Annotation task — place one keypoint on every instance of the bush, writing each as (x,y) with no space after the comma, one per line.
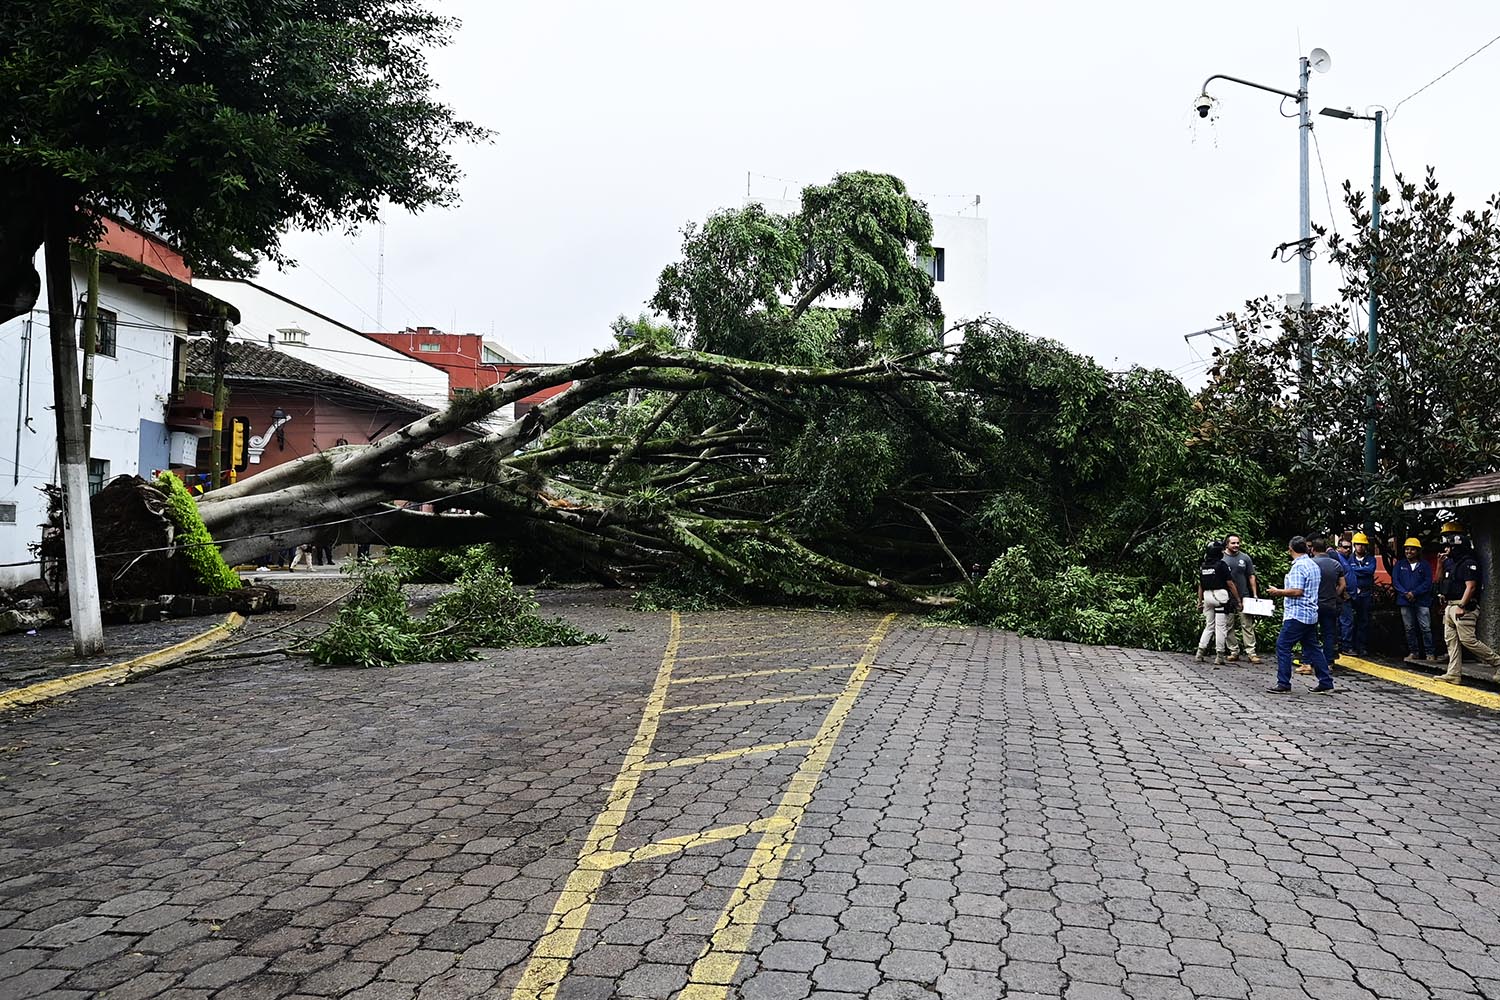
(1078,604)
(484,609)
(194,541)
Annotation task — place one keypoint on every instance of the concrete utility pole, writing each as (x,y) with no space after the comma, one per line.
(72,459)
(1319,60)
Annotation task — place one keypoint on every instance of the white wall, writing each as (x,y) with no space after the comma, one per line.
(330,345)
(964,290)
(130,394)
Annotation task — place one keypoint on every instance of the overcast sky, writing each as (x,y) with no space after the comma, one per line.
(1118,221)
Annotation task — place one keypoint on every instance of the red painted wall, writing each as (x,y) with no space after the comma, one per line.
(459,355)
(146,249)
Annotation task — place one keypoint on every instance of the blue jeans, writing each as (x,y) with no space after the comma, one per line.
(1346,626)
(1328,632)
(1293,633)
(1363,606)
(1418,622)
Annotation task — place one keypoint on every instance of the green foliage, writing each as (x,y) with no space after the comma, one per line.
(1079,604)
(193,539)
(483,609)
(411,565)
(1437,280)
(228,123)
(694,590)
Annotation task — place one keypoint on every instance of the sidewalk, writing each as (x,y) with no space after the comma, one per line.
(48,654)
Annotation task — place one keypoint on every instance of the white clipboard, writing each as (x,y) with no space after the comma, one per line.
(1259,607)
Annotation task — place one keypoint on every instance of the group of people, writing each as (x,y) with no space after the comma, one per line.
(1329,604)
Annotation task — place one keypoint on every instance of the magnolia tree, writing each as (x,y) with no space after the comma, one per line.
(1437,282)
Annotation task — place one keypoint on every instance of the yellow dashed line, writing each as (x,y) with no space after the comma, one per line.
(554,952)
(1406,678)
(709,758)
(720,961)
(760,673)
(714,706)
(36,693)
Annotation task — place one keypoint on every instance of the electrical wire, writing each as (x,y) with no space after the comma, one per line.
(1450,69)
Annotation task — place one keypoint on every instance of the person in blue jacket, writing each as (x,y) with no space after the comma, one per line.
(1360,581)
(1411,578)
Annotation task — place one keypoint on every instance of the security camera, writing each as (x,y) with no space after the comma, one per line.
(1203,105)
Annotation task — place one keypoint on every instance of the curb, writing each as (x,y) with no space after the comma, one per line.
(119,673)
(1408,678)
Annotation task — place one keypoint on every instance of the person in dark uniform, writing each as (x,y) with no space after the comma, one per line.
(1331,585)
(1459,590)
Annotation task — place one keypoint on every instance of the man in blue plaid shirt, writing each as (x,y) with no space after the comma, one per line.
(1299,625)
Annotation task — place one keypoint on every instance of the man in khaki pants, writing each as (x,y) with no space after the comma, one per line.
(1460,593)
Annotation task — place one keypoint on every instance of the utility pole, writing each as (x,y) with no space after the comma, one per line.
(1372,340)
(1372,344)
(1319,60)
(72,459)
(216,436)
(90,344)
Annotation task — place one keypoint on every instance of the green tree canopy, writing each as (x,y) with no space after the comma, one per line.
(1437,282)
(221,124)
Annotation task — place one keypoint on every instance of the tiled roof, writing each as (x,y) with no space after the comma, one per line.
(1480,489)
(254,363)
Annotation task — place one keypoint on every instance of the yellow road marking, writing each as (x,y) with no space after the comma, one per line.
(554,952)
(759,673)
(35,693)
(716,967)
(553,955)
(674,845)
(767,637)
(714,706)
(1456,692)
(763,652)
(709,758)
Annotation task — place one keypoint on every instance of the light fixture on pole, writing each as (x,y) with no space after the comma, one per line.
(1372,341)
(1319,60)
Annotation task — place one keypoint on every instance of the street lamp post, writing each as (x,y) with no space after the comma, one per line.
(1372,338)
(1319,60)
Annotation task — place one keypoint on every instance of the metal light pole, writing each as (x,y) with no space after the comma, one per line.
(1372,339)
(1319,60)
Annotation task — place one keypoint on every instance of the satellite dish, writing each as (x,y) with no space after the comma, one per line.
(1320,60)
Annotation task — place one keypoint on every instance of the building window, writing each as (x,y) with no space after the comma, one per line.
(98,473)
(460,391)
(934,265)
(106,327)
(292,335)
(429,347)
(7,512)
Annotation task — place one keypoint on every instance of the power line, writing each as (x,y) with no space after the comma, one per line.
(1450,69)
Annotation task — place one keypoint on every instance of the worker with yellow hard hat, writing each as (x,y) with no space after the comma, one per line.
(1459,588)
(1360,566)
(1411,578)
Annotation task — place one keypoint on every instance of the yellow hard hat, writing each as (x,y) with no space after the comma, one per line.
(1360,538)
(1413,543)
(1452,528)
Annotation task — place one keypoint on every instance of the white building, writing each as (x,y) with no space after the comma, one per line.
(960,265)
(145,313)
(275,321)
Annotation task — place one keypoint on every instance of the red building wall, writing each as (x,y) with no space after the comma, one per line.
(460,354)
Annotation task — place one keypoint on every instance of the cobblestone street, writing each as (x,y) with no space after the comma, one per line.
(757,804)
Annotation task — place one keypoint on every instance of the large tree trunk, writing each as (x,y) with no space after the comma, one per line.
(521,484)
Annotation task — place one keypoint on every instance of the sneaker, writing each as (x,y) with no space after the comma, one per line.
(1218,661)
(1303,668)
(1198,656)
(1320,689)
(1449,678)
(1254,658)
(1279,689)
(1232,658)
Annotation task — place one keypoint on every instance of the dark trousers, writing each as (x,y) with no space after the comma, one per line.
(1305,634)
(1328,633)
(1364,607)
